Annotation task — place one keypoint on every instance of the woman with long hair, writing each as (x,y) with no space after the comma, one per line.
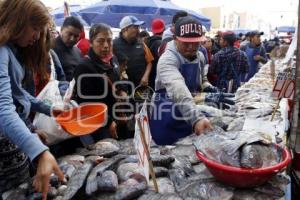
(23,51)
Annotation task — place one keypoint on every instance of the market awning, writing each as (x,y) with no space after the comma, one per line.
(286,29)
(112,11)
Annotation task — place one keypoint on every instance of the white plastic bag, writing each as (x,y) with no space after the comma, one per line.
(51,96)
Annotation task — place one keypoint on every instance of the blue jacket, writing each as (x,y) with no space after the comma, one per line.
(12,118)
(251,52)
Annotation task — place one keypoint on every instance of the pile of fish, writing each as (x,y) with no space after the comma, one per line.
(239,149)
(253,100)
(110,170)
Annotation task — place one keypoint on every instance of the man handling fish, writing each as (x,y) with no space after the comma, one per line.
(181,83)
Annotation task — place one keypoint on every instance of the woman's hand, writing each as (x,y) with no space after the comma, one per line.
(55,111)
(46,165)
(113,130)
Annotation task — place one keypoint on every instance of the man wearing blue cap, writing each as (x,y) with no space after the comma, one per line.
(180,84)
(139,56)
(255,52)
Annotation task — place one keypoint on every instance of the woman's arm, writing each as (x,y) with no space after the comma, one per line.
(11,125)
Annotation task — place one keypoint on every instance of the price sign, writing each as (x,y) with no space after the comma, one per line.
(143,146)
(285,85)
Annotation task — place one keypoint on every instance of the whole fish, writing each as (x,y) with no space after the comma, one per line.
(257,155)
(165,186)
(111,140)
(68,170)
(134,187)
(71,159)
(108,181)
(125,170)
(127,147)
(233,159)
(92,180)
(77,180)
(162,160)
(160,172)
(102,148)
(182,150)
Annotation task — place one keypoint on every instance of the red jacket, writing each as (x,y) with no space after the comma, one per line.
(83,44)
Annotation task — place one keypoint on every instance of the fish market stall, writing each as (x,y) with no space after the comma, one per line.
(110,169)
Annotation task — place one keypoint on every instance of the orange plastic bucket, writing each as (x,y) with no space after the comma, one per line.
(83,119)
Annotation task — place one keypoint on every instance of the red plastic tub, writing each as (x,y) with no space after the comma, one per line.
(241,177)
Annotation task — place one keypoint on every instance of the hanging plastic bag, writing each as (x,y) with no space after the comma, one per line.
(51,96)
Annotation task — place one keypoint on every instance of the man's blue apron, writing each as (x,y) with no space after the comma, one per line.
(253,64)
(165,129)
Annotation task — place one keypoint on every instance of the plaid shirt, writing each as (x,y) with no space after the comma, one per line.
(222,60)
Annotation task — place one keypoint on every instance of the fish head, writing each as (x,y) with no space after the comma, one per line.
(250,156)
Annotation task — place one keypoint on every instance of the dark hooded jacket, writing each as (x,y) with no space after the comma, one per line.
(96,89)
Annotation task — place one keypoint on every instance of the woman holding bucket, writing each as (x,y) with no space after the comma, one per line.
(22,51)
(95,76)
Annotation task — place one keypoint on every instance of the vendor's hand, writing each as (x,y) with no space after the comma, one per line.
(222,100)
(144,81)
(46,166)
(42,135)
(113,130)
(201,126)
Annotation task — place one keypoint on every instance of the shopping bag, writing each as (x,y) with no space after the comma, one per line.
(51,96)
